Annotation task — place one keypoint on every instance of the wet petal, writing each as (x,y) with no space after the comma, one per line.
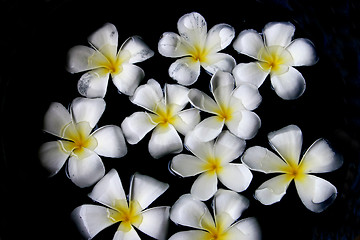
(278,33)
(186,120)
(128,79)
(249,227)
(185,70)
(222,84)
(289,85)
(303,52)
(136,126)
(201,149)
(219,37)
(176,94)
(93,84)
(106,35)
(209,128)
(78,59)
(249,96)
(273,190)
(148,95)
(172,45)
(187,165)
(244,124)
(218,62)
(130,235)
(138,50)
(205,186)
(193,28)
(250,73)
(56,118)
(316,193)
(202,101)
(164,140)
(52,156)
(228,147)
(236,177)
(88,110)
(155,222)
(189,235)
(111,142)
(249,42)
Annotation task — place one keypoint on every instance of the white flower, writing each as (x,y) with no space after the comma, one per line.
(165,117)
(132,212)
(77,141)
(197,47)
(227,207)
(315,193)
(212,161)
(276,55)
(232,107)
(103,59)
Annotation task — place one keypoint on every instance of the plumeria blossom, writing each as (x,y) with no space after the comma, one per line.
(277,54)
(197,47)
(103,59)
(315,193)
(165,117)
(130,213)
(231,107)
(212,161)
(77,143)
(227,207)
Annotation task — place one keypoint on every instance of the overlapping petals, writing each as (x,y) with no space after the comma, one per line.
(197,47)
(212,161)
(231,107)
(277,54)
(164,115)
(103,59)
(130,213)
(315,193)
(227,208)
(78,143)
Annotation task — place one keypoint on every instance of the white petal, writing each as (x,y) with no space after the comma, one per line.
(172,45)
(262,160)
(130,235)
(209,128)
(106,35)
(145,189)
(236,177)
(222,84)
(91,219)
(193,28)
(88,110)
(148,95)
(136,126)
(185,70)
(249,73)
(303,52)
(244,124)
(78,59)
(108,189)
(164,140)
(190,212)
(56,118)
(249,42)
(155,222)
(316,193)
(320,158)
(138,50)
(202,101)
(278,33)
(273,190)
(186,120)
(204,186)
(189,235)
(176,94)
(128,79)
(52,157)
(289,85)
(93,84)
(228,147)
(249,96)
(86,171)
(201,149)
(219,37)
(218,62)
(287,142)
(111,142)
(187,165)
(249,227)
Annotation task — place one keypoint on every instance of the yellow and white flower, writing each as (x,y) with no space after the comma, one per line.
(197,47)
(227,208)
(103,59)
(277,54)
(166,116)
(212,161)
(231,107)
(77,143)
(130,213)
(315,193)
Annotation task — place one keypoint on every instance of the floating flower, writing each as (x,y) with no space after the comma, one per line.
(78,143)
(277,54)
(315,193)
(197,47)
(91,219)
(232,107)
(166,116)
(227,207)
(102,59)
(212,161)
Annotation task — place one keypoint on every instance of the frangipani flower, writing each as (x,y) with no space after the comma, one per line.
(315,193)
(232,107)
(130,213)
(197,47)
(165,116)
(227,207)
(103,59)
(212,161)
(77,141)
(277,54)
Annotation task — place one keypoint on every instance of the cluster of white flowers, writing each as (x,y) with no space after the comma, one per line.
(214,142)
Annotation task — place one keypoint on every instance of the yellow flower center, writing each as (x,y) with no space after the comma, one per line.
(215,233)
(275,59)
(128,215)
(295,172)
(213,165)
(198,53)
(225,113)
(165,114)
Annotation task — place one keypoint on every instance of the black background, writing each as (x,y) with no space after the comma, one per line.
(35,38)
